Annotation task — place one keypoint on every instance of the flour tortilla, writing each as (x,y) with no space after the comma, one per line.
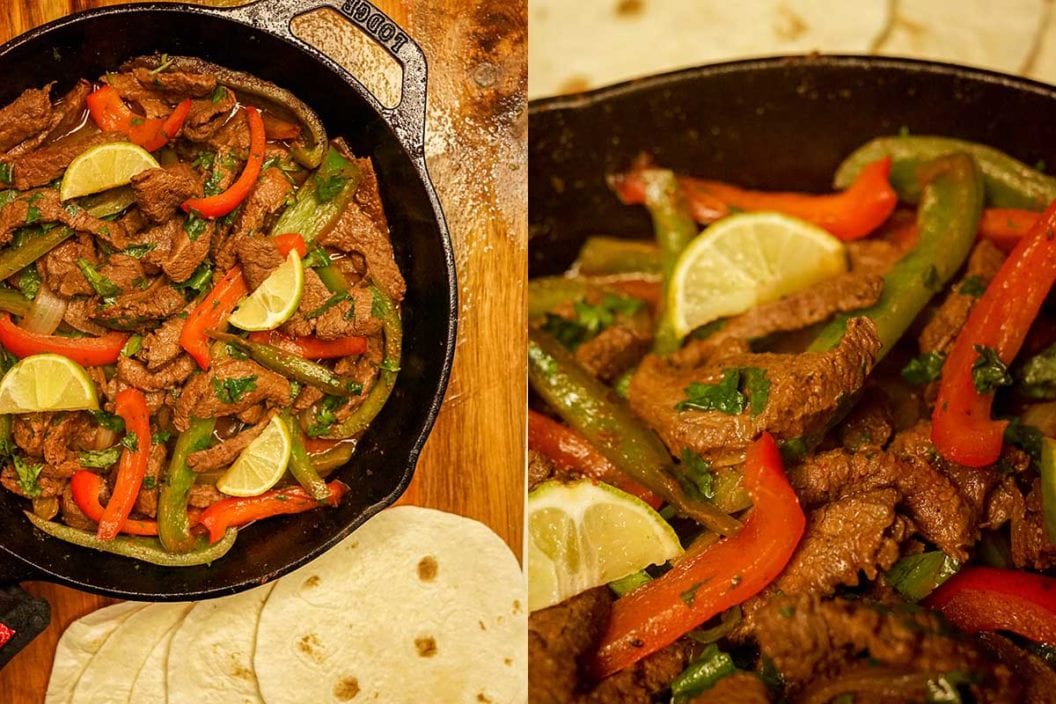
(416,606)
(110,674)
(149,685)
(216,642)
(82,639)
(582,44)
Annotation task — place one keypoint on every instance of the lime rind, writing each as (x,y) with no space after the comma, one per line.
(261,465)
(275,300)
(47,382)
(104,167)
(584,534)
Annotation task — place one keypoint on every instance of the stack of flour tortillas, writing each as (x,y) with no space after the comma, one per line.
(416,606)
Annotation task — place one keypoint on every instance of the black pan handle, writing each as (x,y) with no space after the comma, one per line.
(22,616)
(408,117)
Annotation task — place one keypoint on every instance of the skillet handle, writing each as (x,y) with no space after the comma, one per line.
(408,117)
(22,616)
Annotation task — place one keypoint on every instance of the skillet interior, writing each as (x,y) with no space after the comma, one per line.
(782,123)
(384,462)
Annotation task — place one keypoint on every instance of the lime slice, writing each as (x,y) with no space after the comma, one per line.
(104,167)
(743,260)
(584,534)
(275,300)
(47,382)
(261,465)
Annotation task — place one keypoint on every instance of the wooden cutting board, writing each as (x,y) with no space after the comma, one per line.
(476,147)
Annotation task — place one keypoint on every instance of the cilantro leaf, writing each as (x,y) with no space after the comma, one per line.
(100,459)
(232,389)
(988,372)
(924,368)
(28,476)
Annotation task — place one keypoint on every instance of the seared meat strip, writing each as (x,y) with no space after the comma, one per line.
(224,453)
(202,395)
(28,115)
(159,192)
(951,315)
(42,166)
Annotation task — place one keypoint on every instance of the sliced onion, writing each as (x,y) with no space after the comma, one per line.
(46,312)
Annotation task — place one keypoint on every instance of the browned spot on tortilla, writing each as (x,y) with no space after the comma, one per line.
(426,646)
(629,8)
(483,699)
(516,606)
(310,646)
(482,626)
(574,84)
(508,662)
(346,688)
(427,568)
(312,581)
(790,26)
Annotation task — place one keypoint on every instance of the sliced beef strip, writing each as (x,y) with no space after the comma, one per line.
(160,191)
(805,391)
(873,256)
(153,103)
(183,84)
(561,638)
(309,395)
(169,376)
(124,271)
(224,453)
(1030,546)
(78,315)
(29,114)
(49,486)
(232,136)
(809,639)
(63,439)
(162,345)
(186,253)
(951,315)
(69,112)
(268,197)
(738,688)
(870,424)
(58,268)
(199,398)
(352,317)
(613,351)
(204,496)
(158,239)
(1038,679)
(140,309)
(147,501)
(42,166)
(840,294)
(27,430)
(44,206)
(315,295)
(206,116)
(71,512)
(363,229)
(540,469)
(258,256)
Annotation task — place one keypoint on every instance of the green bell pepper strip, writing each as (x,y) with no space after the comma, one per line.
(292,366)
(602,256)
(14,302)
(674,228)
(916,576)
(174,523)
(30,249)
(301,465)
(549,292)
(1048,487)
(948,220)
(590,407)
(702,674)
(1009,182)
(142,549)
(310,215)
(386,309)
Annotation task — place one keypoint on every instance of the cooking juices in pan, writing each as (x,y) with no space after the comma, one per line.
(201,308)
(839,405)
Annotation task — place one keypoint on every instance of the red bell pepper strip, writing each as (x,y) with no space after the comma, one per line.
(290,241)
(237,512)
(211,313)
(720,576)
(86,351)
(1005,227)
(111,114)
(992,599)
(223,203)
(311,347)
(86,486)
(277,128)
(849,215)
(131,406)
(572,452)
(961,427)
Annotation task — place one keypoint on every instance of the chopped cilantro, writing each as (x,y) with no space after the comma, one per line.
(204,160)
(327,304)
(32,214)
(232,389)
(324,417)
(100,459)
(134,344)
(726,396)
(698,472)
(199,280)
(973,286)
(757,385)
(5,173)
(194,226)
(690,595)
(160,437)
(1025,437)
(138,251)
(150,483)
(218,94)
(590,319)
(109,421)
(932,280)
(102,285)
(29,282)
(131,441)
(989,372)
(235,352)
(28,476)
(924,368)
(166,61)
(317,258)
(787,611)
(568,332)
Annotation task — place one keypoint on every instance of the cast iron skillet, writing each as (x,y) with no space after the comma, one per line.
(257,39)
(781,123)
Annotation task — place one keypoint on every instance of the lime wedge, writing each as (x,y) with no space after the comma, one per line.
(104,167)
(743,260)
(275,300)
(47,382)
(584,534)
(261,465)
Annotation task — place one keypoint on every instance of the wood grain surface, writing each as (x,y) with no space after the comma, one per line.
(476,147)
